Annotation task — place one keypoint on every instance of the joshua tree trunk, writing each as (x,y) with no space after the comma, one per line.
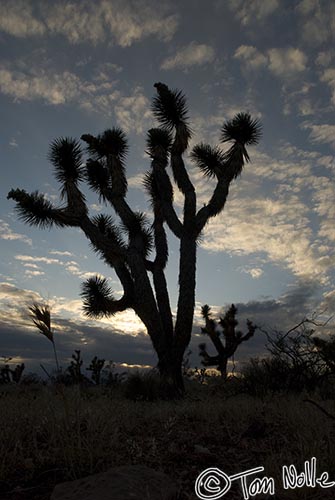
(170,369)
(223,367)
(127,248)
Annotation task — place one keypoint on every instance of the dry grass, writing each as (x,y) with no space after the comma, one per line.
(49,436)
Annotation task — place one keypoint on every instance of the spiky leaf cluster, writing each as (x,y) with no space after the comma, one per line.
(242,129)
(205,311)
(208,159)
(66,156)
(139,229)
(111,142)
(159,142)
(169,106)
(97,296)
(229,319)
(106,167)
(108,228)
(33,209)
(97,177)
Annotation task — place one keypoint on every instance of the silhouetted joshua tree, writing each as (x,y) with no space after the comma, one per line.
(127,247)
(74,369)
(232,338)
(96,367)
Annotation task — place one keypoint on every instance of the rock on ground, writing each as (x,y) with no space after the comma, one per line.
(133,482)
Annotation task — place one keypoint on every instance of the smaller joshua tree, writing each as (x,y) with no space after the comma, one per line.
(42,319)
(232,338)
(74,368)
(96,367)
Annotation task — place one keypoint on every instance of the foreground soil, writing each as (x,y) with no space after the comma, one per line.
(51,435)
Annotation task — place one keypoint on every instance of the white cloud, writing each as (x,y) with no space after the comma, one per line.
(121,21)
(77,22)
(296,97)
(44,260)
(54,89)
(206,127)
(270,227)
(126,321)
(194,54)
(32,266)
(133,112)
(31,83)
(250,56)
(323,206)
(130,22)
(324,58)
(279,225)
(17,19)
(134,367)
(328,304)
(70,266)
(58,252)
(317,21)
(247,11)
(282,62)
(6,233)
(327,161)
(136,181)
(286,62)
(13,143)
(324,133)
(97,208)
(329,77)
(30,273)
(306,107)
(14,304)
(73,268)
(255,272)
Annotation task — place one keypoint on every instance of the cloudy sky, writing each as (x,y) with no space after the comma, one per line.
(68,68)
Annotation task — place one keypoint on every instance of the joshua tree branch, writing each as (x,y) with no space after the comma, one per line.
(213,335)
(157,269)
(187,263)
(207,359)
(111,250)
(180,173)
(164,189)
(99,301)
(118,201)
(215,205)
(35,210)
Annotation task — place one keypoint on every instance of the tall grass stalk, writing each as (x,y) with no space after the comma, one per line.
(42,319)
